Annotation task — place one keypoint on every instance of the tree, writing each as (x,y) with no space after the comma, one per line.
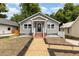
(69,6)
(52,15)
(75,13)
(3,8)
(17,17)
(60,16)
(66,14)
(47,14)
(27,9)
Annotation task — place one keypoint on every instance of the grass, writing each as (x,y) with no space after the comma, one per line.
(12,46)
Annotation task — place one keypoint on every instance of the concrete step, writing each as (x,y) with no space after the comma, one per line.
(39,34)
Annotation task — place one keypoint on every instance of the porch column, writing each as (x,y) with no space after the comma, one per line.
(45,27)
(32,27)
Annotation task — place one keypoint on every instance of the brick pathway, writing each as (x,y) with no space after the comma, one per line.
(37,48)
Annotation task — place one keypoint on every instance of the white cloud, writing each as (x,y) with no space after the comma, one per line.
(55,9)
(13,10)
(49,10)
(45,10)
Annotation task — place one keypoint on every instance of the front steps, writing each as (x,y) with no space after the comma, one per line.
(39,34)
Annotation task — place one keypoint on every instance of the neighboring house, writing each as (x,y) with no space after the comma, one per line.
(39,23)
(71,28)
(7,26)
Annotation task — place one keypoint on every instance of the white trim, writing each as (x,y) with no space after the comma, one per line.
(52,18)
(38,20)
(29,17)
(42,14)
(24,26)
(50,25)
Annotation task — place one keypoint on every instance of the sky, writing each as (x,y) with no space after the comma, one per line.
(46,8)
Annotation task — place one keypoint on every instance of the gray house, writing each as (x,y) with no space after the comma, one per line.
(39,23)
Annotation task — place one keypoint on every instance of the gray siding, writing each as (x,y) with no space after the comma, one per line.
(54,30)
(23,30)
(40,18)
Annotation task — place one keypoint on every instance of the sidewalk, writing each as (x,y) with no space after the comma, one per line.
(37,48)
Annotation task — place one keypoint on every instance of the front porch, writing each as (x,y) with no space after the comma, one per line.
(38,28)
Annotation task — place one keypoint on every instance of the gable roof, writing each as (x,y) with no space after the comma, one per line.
(39,13)
(69,24)
(8,22)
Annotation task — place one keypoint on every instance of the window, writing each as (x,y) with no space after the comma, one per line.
(29,25)
(52,26)
(25,26)
(8,28)
(48,25)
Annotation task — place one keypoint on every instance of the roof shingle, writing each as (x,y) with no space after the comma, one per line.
(67,25)
(8,22)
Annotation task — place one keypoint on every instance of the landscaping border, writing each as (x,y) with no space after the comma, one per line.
(24,48)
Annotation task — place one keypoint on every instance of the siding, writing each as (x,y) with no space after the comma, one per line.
(48,21)
(75,29)
(4,29)
(55,29)
(23,30)
(66,31)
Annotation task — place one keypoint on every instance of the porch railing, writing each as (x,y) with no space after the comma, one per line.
(61,34)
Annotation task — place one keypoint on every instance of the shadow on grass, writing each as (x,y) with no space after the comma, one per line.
(52,52)
(24,50)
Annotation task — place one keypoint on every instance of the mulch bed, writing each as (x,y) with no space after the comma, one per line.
(60,52)
(13,47)
(59,41)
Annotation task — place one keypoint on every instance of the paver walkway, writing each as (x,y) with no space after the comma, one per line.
(37,48)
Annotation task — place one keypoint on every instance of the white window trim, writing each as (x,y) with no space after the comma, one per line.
(28,26)
(51,26)
(24,27)
(47,26)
